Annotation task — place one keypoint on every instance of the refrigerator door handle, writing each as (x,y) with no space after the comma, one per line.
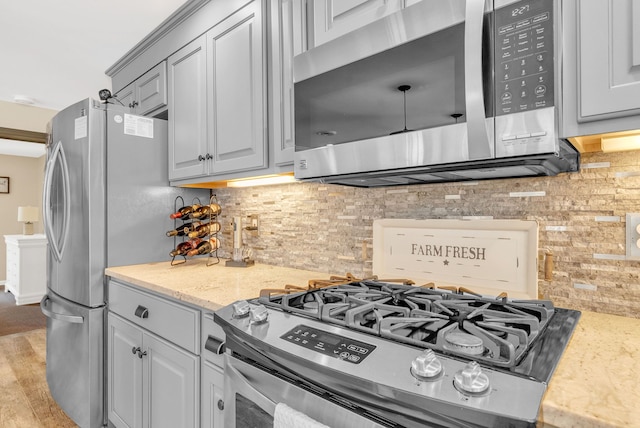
(56,316)
(56,246)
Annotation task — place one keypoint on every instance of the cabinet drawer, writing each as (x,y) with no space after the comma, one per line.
(170,320)
(213,338)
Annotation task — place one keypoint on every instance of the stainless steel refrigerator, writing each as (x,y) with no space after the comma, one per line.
(106,202)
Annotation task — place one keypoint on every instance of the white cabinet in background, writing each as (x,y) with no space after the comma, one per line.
(26,267)
(148,94)
(153,360)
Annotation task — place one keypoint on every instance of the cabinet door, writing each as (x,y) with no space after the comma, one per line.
(212,396)
(124,373)
(170,381)
(187,111)
(334,18)
(126,96)
(609,58)
(151,90)
(284,41)
(236,91)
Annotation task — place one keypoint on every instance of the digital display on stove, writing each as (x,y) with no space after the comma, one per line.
(333,345)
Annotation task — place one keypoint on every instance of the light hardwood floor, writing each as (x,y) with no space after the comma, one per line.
(25,401)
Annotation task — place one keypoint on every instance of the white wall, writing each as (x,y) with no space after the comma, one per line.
(26,118)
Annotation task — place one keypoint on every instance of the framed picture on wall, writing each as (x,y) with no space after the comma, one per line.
(4,184)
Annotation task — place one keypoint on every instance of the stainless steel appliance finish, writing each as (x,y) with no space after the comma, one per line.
(482,81)
(403,355)
(105,203)
(256,393)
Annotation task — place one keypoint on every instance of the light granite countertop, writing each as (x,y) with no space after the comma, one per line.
(211,287)
(595,385)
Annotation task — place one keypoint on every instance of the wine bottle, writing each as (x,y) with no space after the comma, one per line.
(184,229)
(184,247)
(206,211)
(185,211)
(205,247)
(205,229)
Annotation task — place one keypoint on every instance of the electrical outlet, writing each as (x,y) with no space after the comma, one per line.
(633,236)
(253,223)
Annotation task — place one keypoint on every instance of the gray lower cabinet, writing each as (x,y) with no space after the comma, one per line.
(212,406)
(153,362)
(124,373)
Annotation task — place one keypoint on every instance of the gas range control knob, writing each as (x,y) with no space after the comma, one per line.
(240,309)
(259,314)
(471,380)
(426,366)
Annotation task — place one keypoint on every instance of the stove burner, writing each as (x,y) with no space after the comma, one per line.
(464,342)
(497,331)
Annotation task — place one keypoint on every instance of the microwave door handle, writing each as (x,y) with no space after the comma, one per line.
(478,136)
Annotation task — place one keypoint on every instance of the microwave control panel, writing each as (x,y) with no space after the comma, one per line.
(524,56)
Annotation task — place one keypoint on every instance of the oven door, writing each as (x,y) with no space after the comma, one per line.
(251,395)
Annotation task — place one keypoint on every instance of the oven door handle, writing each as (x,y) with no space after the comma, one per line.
(242,385)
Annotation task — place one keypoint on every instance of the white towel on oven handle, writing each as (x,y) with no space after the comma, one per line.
(286,417)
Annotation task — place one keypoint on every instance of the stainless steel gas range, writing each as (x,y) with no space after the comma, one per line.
(352,352)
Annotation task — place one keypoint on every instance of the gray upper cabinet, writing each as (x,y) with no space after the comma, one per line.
(286,40)
(127,95)
(601,66)
(236,92)
(188,146)
(217,100)
(329,19)
(147,95)
(229,80)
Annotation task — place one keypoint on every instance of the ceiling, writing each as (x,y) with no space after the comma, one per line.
(56,52)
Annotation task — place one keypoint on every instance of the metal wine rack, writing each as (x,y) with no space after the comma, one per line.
(212,257)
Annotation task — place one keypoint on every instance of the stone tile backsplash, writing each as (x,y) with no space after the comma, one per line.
(581,217)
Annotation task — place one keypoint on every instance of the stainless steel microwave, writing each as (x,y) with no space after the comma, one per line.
(443,90)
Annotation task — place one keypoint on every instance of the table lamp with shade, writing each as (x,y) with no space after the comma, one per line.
(28,216)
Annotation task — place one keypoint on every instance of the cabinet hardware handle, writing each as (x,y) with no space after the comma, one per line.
(141,354)
(200,158)
(208,156)
(142,312)
(220,404)
(135,350)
